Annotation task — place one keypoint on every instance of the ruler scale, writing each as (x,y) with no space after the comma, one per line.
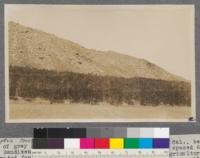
(164,153)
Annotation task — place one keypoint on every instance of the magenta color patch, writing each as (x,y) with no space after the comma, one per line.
(87,143)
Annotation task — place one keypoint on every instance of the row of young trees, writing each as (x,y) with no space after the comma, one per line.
(88,88)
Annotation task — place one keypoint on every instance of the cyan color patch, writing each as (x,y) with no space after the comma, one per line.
(145,143)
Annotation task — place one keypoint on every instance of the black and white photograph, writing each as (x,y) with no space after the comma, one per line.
(99,63)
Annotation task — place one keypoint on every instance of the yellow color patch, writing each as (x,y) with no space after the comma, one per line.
(116,143)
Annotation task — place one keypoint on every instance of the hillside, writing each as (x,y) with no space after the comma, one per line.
(33,48)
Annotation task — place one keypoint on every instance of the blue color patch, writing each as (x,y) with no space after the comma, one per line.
(145,143)
(161,143)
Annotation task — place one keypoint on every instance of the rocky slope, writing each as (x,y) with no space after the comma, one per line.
(33,48)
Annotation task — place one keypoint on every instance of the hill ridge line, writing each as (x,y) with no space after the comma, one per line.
(36,48)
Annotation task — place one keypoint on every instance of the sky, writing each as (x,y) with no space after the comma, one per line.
(161,34)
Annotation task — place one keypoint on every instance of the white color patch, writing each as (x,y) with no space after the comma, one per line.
(72,143)
(161,133)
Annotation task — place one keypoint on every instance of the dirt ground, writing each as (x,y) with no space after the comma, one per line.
(45,110)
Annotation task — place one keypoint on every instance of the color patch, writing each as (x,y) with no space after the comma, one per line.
(38,143)
(72,143)
(79,133)
(93,133)
(133,133)
(131,143)
(161,133)
(146,133)
(146,143)
(59,133)
(107,132)
(40,133)
(54,143)
(87,143)
(116,143)
(102,143)
(161,143)
(119,132)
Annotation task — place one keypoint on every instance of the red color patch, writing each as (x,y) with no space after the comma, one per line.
(101,143)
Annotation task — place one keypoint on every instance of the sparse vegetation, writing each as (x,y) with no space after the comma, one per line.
(29,47)
(87,88)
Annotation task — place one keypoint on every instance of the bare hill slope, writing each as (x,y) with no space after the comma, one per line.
(36,49)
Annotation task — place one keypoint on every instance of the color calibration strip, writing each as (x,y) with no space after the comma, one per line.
(101,138)
(101,143)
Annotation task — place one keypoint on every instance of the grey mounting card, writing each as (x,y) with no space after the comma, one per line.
(129,63)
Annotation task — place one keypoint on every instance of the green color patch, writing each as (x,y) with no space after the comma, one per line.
(131,143)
